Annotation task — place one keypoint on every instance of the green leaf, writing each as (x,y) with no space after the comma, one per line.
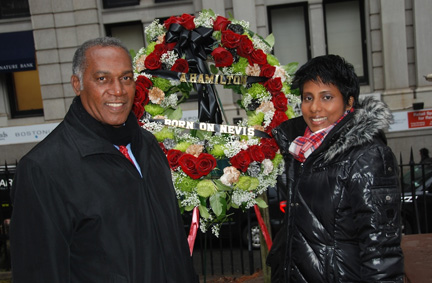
(203,212)
(270,39)
(218,205)
(213,69)
(291,67)
(174,114)
(189,208)
(221,187)
(261,203)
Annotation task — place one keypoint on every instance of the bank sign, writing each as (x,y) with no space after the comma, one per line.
(25,134)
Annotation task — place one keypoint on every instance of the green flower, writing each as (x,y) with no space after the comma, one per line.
(247,183)
(277,160)
(272,60)
(206,188)
(240,66)
(182,146)
(257,90)
(255,119)
(290,112)
(165,133)
(186,184)
(150,48)
(218,151)
(161,83)
(154,109)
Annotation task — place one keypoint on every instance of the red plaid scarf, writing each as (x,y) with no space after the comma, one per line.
(303,146)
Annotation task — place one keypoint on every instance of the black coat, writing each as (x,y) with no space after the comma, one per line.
(83,213)
(343,209)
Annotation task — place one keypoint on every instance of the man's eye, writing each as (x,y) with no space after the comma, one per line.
(127,78)
(101,78)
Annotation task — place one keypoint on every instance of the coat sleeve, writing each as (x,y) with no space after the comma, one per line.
(39,250)
(375,198)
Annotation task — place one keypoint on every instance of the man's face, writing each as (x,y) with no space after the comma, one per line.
(108,88)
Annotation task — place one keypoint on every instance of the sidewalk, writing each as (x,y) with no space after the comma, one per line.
(417,251)
(418,258)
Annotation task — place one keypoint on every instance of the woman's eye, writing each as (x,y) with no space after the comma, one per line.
(327,97)
(307,98)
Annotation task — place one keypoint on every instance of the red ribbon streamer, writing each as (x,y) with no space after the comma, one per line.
(193,229)
(264,230)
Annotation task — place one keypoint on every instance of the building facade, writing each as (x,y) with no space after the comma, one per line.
(388,41)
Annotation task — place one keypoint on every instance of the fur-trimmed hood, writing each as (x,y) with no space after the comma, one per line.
(369,120)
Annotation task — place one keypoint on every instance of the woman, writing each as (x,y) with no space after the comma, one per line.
(342,221)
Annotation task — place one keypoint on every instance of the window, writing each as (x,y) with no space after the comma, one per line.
(344,27)
(24,94)
(14,9)
(345,33)
(119,3)
(131,34)
(289,25)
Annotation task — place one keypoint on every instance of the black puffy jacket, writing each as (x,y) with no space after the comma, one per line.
(343,220)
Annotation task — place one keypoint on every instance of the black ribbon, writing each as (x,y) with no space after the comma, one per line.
(196,45)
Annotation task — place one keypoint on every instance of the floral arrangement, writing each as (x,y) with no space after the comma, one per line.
(214,171)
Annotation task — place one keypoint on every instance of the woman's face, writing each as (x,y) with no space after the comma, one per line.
(322,105)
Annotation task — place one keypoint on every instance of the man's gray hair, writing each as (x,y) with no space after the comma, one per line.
(79,59)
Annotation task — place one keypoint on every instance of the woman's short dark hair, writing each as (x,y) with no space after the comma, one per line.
(329,69)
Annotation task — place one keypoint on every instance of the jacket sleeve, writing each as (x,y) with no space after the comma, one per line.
(39,250)
(375,198)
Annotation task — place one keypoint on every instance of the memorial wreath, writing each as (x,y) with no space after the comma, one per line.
(214,166)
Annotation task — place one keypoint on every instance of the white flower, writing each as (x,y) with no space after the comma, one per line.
(268,166)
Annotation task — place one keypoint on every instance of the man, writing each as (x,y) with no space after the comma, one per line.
(82,211)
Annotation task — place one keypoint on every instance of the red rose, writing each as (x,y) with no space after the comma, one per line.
(171,20)
(255,153)
(267,71)
(205,164)
(257,56)
(230,39)
(269,147)
(180,65)
(152,62)
(221,23)
(280,102)
(278,118)
(274,85)
(187,21)
(187,162)
(173,157)
(138,110)
(245,47)
(144,81)
(160,49)
(222,57)
(241,160)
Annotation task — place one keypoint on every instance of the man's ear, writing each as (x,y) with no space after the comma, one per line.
(76,84)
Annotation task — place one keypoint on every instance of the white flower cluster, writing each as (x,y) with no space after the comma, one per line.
(152,127)
(233,147)
(260,44)
(190,200)
(170,101)
(240,197)
(154,30)
(169,58)
(205,19)
(243,23)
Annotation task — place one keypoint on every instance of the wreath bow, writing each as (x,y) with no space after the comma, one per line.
(195,45)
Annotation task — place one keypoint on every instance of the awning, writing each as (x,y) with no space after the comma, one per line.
(17,52)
